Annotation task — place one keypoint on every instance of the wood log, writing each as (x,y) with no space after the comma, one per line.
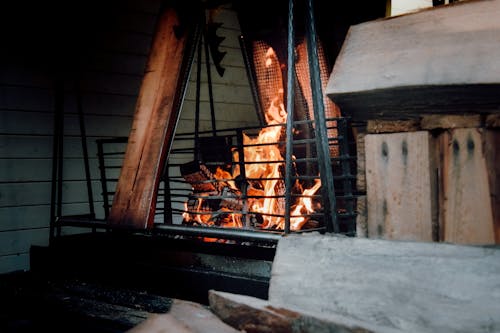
(435,121)
(406,286)
(401,196)
(153,126)
(465,206)
(392,126)
(441,60)
(250,314)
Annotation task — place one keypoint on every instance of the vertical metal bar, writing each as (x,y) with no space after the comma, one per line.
(243,176)
(59,104)
(83,136)
(167,202)
(251,80)
(209,77)
(326,174)
(290,114)
(55,158)
(104,184)
(197,107)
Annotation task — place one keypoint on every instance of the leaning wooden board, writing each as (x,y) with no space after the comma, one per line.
(441,60)
(152,128)
(400,182)
(407,286)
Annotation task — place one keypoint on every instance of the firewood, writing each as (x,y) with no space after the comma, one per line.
(198,176)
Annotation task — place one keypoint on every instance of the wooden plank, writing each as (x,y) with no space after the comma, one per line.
(492,154)
(465,212)
(250,314)
(152,129)
(436,121)
(407,65)
(397,285)
(392,126)
(400,193)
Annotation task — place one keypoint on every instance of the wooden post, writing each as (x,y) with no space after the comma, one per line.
(465,207)
(400,180)
(152,128)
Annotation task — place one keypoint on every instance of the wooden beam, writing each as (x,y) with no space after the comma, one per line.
(250,314)
(436,121)
(439,60)
(492,154)
(465,206)
(392,126)
(152,128)
(401,196)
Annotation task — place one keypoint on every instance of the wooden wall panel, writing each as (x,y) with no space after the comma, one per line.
(400,195)
(465,210)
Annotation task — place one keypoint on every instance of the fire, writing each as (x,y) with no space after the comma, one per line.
(266,187)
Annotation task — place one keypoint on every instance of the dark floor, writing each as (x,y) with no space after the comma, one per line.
(110,283)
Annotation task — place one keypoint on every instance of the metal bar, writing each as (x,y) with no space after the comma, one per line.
(102,172)
(328,188)
(83,135)
(197,103)
(243,175)
(59,104)
(290,96)
(55,159)
(209,76)
(251,80)
(225,233)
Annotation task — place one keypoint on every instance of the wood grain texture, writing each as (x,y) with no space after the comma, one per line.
(404,286)
(492,155)
(152,129)
(408,64)
(400,194)
(391,126)
(360,163)
(436,121)
(493,121)
(250,314)
(465,207)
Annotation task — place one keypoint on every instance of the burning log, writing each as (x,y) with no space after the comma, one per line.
(199,177)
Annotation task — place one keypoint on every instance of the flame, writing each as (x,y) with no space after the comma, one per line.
(269,182)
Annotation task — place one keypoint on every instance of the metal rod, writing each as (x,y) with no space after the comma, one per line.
(290,96)
(224,233)
(59,104)
(328,188)
(83,136)
(209,76)
(197,104)
(102,172)
(55,159)
(243,175)
(251,80)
